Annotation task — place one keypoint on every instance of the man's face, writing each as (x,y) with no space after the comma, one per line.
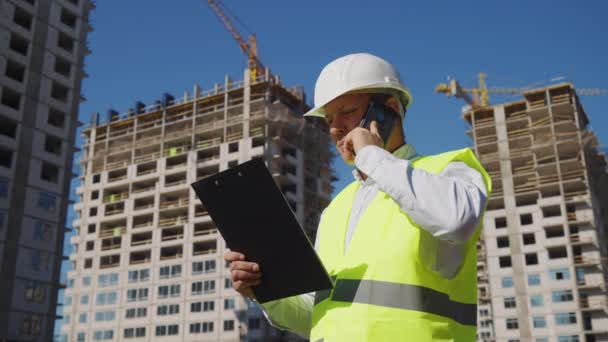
(344,114)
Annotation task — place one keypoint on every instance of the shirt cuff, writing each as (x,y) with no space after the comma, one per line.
(370,157)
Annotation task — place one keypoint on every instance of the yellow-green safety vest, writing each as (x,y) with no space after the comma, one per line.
(383,292)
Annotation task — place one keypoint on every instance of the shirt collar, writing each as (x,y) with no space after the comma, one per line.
(406,151)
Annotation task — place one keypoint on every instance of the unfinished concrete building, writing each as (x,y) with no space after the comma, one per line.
(42,49)
(542,269)
(148,261)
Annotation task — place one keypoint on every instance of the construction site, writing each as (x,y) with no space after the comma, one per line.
(542,258)
(145,247)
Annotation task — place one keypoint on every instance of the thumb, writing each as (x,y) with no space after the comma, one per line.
(373,127)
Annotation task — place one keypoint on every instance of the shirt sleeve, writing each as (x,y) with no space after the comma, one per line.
(448,205)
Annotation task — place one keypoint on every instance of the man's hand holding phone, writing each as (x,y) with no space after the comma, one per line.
(358,138)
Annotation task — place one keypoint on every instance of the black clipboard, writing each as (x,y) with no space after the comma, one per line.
(254,218)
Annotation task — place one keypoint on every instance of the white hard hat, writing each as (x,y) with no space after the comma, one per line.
(357,73)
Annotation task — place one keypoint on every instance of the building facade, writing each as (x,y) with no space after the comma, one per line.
(148,260)
(42,48)
(542,267)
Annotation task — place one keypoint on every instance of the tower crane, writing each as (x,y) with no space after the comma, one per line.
(480,97)
(250,48)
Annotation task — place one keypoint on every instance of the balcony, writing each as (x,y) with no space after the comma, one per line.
(112,231)
(204,248)
(178,203)
(596,303)
(111,243)
(146,157)
(140,257)
(172,252)
(581,260)
(115,197)
(582,240)
(172,234)
(109,261)
(141,239)
(173,221)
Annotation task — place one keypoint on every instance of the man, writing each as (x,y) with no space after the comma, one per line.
(401,239)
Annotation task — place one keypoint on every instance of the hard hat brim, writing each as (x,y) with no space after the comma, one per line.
(401,92)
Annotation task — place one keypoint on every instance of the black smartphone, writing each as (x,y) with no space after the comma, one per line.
(383,115)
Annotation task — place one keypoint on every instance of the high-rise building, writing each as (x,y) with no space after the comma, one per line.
(542,269)
(42,48)
(148,260)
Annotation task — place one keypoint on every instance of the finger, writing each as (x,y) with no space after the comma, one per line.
(374,128)
(242,285)
(238,275)
(244,266)
(233,256)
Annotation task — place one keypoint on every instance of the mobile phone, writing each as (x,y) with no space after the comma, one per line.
(383,115)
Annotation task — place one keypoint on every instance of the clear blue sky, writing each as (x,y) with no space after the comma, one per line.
(141,49)
(144,48)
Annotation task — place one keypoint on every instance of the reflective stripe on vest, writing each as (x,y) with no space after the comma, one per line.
(400,296)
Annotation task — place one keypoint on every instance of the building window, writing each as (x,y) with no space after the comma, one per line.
(502,241)
(59,92)
(533,279)
(136,313)
(11,98)
(228,325)
(2,214)
(18,44)
(46,201)
(539,322)
(42,231)
(170,271)
(84,299)
(562,296)
(529,239)
(49,173)
(68,18)
(109,279)
(106,298)
(14,71)
(200,267)
(52,145)
(531,259)
(512,324)
(35,292)
(167,330)
(67,300)
(137,294)
(31,325)
(56,118)
(195,328)
(65,42)
(525,219)
(80,337)
(22,18)
(500,222)
(82,318)
(504,261)
(484,312)
(536,300)
(103,335)
(559,274)
(565,318)
(139,275)
(557,252)
(228,303)
(90,245)
(570,338)
(509,302)
(135,332)
(227,283)
(3,187)
(105,316)
(554,231)
(164,310)
(207,286)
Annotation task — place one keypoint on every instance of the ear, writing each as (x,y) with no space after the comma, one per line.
(394,104)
